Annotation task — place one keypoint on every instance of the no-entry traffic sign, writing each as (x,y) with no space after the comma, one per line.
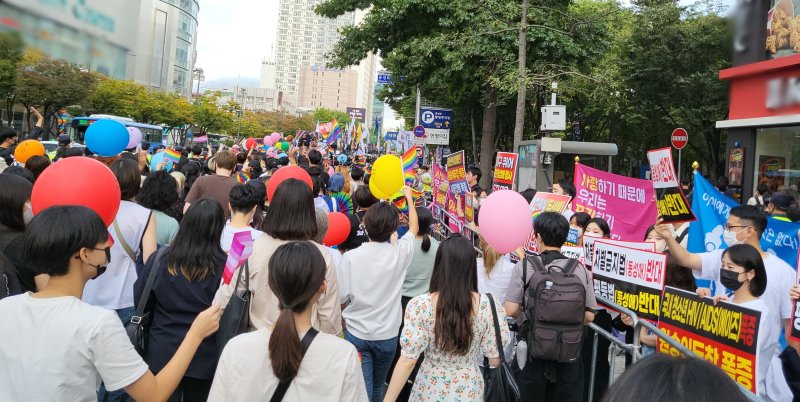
(419,131)
(679,138)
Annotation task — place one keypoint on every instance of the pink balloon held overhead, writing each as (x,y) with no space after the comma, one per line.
(275,137)
(505,220)
(135,137)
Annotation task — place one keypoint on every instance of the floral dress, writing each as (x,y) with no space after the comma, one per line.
(446,376)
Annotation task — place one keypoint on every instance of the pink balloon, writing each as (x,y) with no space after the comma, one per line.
(268,141)
(505,220)
(135,137)
(275,137)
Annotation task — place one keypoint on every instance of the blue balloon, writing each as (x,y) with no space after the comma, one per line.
(107,137)
(158,158)
(282,154)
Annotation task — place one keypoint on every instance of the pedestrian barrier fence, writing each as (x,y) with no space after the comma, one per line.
(633,349)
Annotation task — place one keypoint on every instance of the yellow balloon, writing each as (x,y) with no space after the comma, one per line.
(387,174)
(377,193)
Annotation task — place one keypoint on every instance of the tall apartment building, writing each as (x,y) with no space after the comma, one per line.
(303,40)
(257,99)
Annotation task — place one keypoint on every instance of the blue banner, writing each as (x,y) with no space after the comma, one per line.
(712,209)
(391,136)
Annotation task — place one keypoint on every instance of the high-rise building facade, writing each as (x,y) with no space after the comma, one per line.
(303,40)
(165,49)
(149,41)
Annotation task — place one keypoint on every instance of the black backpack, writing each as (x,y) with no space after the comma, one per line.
(554,302)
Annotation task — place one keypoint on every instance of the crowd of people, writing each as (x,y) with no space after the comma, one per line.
(389,314)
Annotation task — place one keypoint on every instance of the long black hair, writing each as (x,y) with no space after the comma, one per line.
(16,191)
(455,278)
(291,212)
(196,251)
(425,219)
(296,273)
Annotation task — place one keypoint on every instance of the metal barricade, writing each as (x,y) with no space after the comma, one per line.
(634,348)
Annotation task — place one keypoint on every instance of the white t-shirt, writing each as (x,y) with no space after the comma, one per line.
(496,282)
(336,257)
(780,278)
(765,349)
(228,232)
(330,371)
(114,289)
(372,279)
(60,349)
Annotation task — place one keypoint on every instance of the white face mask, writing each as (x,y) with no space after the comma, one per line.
(661,246)
(729,237)
(27,213)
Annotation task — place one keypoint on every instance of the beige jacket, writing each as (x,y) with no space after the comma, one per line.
(264,306)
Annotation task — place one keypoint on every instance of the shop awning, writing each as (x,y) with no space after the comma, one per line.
(589,148)
(786,120)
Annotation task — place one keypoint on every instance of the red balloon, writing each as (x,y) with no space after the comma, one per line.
(250,143)
(289,172)
(338,229)
(78,181)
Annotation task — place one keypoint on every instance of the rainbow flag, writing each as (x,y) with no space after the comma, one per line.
(242,177)
(327,128)
(172,155)
(334,135)
(409,163)
(399,200)
(344,202)
(241,249)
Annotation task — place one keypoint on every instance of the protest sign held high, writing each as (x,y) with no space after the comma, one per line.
(548,202)
(725,334)
(672,204)
(588,246)
(457,173)
(440,186)
(631,278)
(622,201)
(505,168)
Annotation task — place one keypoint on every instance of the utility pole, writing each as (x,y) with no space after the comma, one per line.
(522,73)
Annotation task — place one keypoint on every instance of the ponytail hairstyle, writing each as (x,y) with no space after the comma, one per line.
(296,273)
(454,278)
(490,256)
(425,219)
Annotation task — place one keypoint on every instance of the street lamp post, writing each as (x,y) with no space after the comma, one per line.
(199,76)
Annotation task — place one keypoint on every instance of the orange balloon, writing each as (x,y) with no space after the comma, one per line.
(28,148)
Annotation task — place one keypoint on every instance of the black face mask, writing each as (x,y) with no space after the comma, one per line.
(101,269)
(730,279)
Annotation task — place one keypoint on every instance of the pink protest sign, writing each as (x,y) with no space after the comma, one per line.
(627,204)
(241,249)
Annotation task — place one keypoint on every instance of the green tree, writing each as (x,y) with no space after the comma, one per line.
(324,115)
(117,97)
(53,85)
(208,117)
(464,54)
(10,55)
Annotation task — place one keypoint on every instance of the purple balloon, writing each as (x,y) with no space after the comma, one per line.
(135,137)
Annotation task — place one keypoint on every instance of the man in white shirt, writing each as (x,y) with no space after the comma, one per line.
(745,225)
(372,281)
(242,205)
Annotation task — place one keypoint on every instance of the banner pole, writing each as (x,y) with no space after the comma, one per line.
(679,165)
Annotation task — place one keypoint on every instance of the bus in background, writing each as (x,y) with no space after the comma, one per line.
(76,129)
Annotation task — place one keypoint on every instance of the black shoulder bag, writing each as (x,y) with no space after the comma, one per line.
(236,317)
(139,325)
(499,384)
(282,387)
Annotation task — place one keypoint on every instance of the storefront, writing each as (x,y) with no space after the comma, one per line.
(764,85)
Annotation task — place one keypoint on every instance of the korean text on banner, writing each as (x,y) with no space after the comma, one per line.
(548,202)
(672,204)
(712,209)
(505,169)
(469,207)
(457,173)
(574,252)
(588,246)
(440,185)
(724,334)
(627,204)
(631,278)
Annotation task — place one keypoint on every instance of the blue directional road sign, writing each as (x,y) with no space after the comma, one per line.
(437,122)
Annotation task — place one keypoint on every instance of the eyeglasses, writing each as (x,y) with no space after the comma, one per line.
(729,227)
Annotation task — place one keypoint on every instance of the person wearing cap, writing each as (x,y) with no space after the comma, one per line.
(63,145)
(778,206)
